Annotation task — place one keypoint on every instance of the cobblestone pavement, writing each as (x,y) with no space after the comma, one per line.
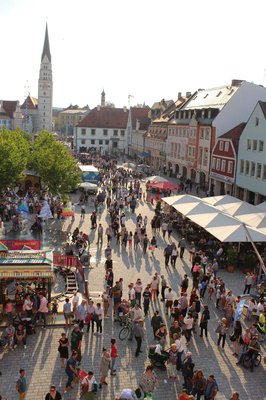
(41,360)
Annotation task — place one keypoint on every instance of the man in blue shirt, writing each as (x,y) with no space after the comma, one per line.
(21,384)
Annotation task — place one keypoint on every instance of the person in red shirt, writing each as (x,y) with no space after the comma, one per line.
(114,355)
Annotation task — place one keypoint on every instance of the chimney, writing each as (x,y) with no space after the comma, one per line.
(236,82)
(98,108)
(179,95)
(188,94)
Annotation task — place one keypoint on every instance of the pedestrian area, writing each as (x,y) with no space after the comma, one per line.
(41,360)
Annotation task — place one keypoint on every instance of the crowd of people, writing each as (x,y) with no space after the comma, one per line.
(187,309)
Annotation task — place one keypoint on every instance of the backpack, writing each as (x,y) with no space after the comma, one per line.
(95,387)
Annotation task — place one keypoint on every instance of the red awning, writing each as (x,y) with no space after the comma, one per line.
(163,186)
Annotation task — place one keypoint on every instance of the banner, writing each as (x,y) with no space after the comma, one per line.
(19,244)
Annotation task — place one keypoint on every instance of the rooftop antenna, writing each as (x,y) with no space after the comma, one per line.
(129,98)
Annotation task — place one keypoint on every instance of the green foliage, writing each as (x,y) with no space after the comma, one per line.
(15,151)
(57,168)
(232,257)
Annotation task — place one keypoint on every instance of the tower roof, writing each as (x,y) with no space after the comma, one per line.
(46,46)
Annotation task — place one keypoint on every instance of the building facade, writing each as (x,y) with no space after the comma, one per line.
(45,88)
(224,162)
(10,114)
(103,130)
(155,143)
(30,114)
(69,118)
(251,166)
(137,125)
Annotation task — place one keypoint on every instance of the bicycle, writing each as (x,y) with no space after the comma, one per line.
(126,330)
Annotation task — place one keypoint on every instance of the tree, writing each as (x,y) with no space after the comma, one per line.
(15,151)
(57,168)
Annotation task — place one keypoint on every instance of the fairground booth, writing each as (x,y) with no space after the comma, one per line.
(23,270)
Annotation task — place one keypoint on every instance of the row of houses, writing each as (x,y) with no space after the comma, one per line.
(213,137)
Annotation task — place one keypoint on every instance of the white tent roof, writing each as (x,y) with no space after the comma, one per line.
(203,219)
(238,209)
(156,178)
(181,199)
(226,221)
(223,221)
(221,200)
(257,220)
(236,233)
(201,208)
(261,206)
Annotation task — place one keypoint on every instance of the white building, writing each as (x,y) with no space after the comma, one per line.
(45,88)
(206,115)
(137,125)
(102,130)
(251,167)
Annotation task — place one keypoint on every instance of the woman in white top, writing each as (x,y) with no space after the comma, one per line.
(28,304)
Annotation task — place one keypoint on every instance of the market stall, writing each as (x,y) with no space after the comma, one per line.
(23,272)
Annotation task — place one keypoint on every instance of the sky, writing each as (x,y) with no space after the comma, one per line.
(148,49)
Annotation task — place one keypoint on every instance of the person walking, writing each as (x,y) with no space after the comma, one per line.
(75,341)
(63,349)
(139,335)
(167,253)
(174,255)
(146,300)
(182,246)
(222,330)
(161,335)
(42,310)
(163,287)
(235,338)
(198,384)
(104,367)
(114,355)
(98,318)
(71,370)
(205,316)
(248,283)
(211,388)
(67,312)
(164,228)
(100,235)
(169,300)
(21,384)
(53,394)
(156,322)
(81,313)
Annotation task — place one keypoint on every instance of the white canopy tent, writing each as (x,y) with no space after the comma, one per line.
(236,233)
(257,220)
(221,200)
(156,178)
(224,225)
(261,207)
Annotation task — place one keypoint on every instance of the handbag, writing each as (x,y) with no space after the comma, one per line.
(218,329)
(232,337)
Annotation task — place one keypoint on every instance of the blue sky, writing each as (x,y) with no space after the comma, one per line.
(149,49)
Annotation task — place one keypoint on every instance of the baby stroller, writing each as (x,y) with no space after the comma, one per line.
(158,357)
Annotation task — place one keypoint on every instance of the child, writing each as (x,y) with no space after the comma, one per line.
(114,355)
(54,310)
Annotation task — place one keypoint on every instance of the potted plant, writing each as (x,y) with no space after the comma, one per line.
(249,263)
(231,260)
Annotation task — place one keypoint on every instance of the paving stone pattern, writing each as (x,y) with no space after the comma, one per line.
(41,359)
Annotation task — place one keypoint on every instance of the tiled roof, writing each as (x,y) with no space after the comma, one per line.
(105,117)
(10,107)
(234,134)
(32,103)
(210,98)
(140,114)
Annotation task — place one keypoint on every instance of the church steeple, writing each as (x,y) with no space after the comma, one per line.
(45,88)
(46,46)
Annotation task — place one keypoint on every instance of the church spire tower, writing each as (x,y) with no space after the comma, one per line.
(103,98)
(45,87)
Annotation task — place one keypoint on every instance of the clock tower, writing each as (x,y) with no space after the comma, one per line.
(45,88)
